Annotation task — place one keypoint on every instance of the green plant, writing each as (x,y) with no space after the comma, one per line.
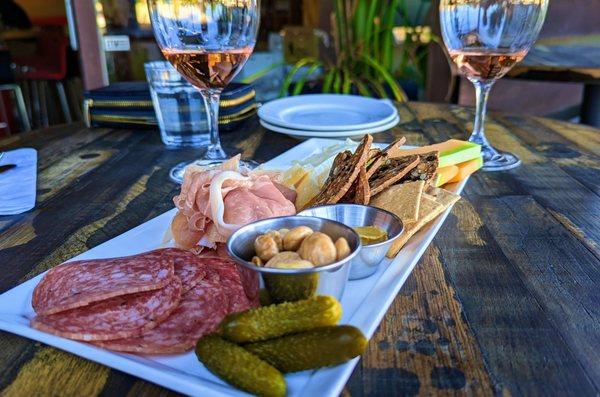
(364,52)
(414,38)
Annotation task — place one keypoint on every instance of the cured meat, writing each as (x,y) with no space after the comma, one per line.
(80,283)
(213,203)
(119,317)
(249,279)
(251,284)
(188,266)
(200,312)
(231,283)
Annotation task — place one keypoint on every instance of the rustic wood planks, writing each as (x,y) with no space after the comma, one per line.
(504,301)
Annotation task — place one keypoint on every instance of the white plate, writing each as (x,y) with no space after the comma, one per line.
(327,112)
(304,134)
(365,302)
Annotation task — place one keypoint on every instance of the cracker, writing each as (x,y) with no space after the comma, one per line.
(391,172)
(342,175)
(402,200)
(425,169)
(363,192)
(379,157)
(430,207)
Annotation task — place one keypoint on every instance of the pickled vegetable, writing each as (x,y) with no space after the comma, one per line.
(237,366)
(371,234)
(269,322)
(316,348)
(291,288)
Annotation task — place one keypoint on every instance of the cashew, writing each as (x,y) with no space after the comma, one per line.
(318,248)
(265,247)
(293,239)
(288,260)
(342,248)
(257,261)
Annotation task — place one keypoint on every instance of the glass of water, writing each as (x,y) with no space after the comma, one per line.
(179,107)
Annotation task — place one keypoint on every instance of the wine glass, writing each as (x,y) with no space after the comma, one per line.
(485,38)
(208,42)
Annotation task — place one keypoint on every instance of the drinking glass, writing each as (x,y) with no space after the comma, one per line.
(208,42)
(485,38)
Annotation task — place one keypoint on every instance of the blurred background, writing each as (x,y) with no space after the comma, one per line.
(53,51)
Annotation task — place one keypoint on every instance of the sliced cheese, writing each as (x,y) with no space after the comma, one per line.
(467,168)
(444,175)
(452,152)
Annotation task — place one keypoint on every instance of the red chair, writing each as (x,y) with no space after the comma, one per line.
(48,64)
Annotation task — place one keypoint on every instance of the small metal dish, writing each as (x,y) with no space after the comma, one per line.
(296,284)
(355,215)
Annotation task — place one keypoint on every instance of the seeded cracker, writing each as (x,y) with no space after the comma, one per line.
(425,170)
(379,157)
(363,192)
(391,172)
(343,173)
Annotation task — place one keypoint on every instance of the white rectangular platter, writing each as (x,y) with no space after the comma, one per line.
(365,302)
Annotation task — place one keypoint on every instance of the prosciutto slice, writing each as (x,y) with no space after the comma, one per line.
(213,203)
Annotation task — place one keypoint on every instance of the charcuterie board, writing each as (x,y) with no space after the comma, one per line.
(365,302)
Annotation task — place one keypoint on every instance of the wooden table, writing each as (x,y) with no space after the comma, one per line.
(505,300)
(573,59)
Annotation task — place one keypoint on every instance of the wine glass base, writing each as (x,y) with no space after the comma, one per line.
(500,161)
(176,173)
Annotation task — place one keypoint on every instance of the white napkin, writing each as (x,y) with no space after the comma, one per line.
(18,185)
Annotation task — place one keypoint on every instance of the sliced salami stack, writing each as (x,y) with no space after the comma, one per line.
(158,302)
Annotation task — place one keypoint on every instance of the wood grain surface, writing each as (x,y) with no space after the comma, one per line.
(505,301)
(568,59)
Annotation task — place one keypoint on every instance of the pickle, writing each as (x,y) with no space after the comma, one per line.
(285,318)
(316,348)
(291,288)
(237,366)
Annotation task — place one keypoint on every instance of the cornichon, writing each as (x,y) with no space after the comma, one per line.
(272,321)
(237,366)
(311,349)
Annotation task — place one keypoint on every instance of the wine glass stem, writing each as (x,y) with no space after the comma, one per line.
(211,103)
(482,91)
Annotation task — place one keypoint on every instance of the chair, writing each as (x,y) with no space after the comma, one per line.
(48,64)
(8,84)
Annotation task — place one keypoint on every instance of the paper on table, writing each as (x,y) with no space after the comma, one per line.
(18,185)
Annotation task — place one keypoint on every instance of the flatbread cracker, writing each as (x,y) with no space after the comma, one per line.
(401,200)
(342,175)
(429,209)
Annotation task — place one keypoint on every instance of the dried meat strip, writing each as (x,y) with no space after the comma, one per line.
(119,317)
(81,283)
(200,312)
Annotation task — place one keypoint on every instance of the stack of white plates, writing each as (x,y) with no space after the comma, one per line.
(328,116)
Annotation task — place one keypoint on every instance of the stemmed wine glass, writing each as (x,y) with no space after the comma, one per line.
(208,42)
(485,38)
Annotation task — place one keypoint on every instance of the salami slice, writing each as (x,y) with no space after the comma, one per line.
(188,266)
(118,317)
(200,312)
(231,282)
(80,283)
